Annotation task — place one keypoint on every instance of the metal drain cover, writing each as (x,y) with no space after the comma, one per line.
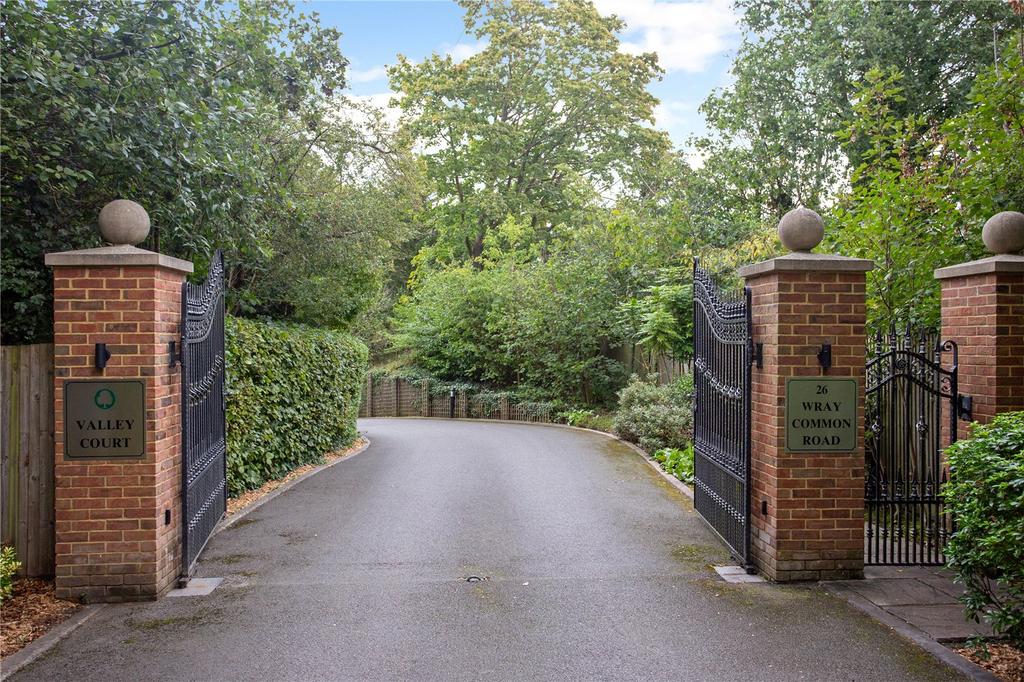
(473,579)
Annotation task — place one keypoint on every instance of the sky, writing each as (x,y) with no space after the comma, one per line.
(694,39)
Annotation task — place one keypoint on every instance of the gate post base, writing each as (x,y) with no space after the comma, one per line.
(118,513)
(807,507)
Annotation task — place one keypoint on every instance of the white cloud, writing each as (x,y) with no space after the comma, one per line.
(367,75)
(461,51)
(683,34)
(671,113)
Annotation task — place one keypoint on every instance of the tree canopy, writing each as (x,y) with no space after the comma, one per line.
(547,118)
(524,223)
(224,120)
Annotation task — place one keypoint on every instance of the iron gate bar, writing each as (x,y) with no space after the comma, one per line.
(906,390)
(204,451)
(723,353)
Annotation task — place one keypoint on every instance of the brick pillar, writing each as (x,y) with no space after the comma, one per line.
(807,507)
(983,312)
(118,515)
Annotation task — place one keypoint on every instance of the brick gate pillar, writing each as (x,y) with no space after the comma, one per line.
(807,492)
(118,481)
(983,311)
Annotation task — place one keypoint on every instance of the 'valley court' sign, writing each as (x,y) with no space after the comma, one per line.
(821,415)
(104,419)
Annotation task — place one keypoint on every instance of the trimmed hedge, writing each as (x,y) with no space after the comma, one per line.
(293,395)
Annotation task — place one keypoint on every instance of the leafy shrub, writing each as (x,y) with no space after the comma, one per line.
(986,497)
(578,417)
(9,565)
(293,395)
(655,417)
(589,419)
(677,462)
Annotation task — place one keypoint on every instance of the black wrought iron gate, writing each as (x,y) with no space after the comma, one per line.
(723,351)
(909,398)
(204,494)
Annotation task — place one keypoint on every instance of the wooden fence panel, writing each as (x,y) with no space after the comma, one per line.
(26,455)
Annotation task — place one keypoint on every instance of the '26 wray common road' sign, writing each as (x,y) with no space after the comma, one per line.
(104,419)
(821,415)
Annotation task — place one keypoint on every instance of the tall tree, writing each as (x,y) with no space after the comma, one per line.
(773,140)
(546,118)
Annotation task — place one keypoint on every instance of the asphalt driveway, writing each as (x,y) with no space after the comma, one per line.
(591,567)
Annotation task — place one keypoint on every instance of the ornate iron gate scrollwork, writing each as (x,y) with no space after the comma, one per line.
(204,462)
(722,355)
(909,394)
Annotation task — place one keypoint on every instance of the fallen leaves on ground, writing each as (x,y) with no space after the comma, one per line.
(237,504)
(29,613)
(1005,662)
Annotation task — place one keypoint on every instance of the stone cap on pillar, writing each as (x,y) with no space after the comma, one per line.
(123,224)
(801,230)
(1003,235)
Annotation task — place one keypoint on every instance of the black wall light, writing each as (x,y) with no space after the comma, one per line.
(102,355)
(825,356)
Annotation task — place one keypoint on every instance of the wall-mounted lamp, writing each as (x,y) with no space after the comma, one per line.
(825,356)
(102,355)
(965,407)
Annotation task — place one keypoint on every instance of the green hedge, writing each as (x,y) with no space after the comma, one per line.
(985,495)
(293,395)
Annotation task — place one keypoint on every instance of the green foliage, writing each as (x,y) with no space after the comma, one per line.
(985,495)
(548,115)
(544,325)
(222,120)
(578,417)
(677,462)
(653,416)
(292,394)
(661,319)
(772,143)
(9,566)
(924,189)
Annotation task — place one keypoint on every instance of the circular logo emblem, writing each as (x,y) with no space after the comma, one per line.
(104,399)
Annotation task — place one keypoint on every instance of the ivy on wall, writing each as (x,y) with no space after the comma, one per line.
(293,395)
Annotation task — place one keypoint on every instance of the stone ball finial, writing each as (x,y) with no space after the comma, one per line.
(801,229)
(1004,233)
(123,222)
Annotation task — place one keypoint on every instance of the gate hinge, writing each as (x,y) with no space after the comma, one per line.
(757,354)
(965,407)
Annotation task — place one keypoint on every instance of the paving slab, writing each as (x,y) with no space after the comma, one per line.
(943,622)
(197,587)
(906,591)
(591,567)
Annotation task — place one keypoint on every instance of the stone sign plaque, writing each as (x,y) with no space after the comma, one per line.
(104,419)
(821,414)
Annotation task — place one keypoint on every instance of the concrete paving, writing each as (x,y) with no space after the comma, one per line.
(925,597)
(591,567)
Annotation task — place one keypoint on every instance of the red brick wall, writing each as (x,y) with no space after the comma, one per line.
(112,541)
(984,314)
(814,527)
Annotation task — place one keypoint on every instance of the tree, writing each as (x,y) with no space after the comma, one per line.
(924,189)
(773,140)
(544,120)
(223,120)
